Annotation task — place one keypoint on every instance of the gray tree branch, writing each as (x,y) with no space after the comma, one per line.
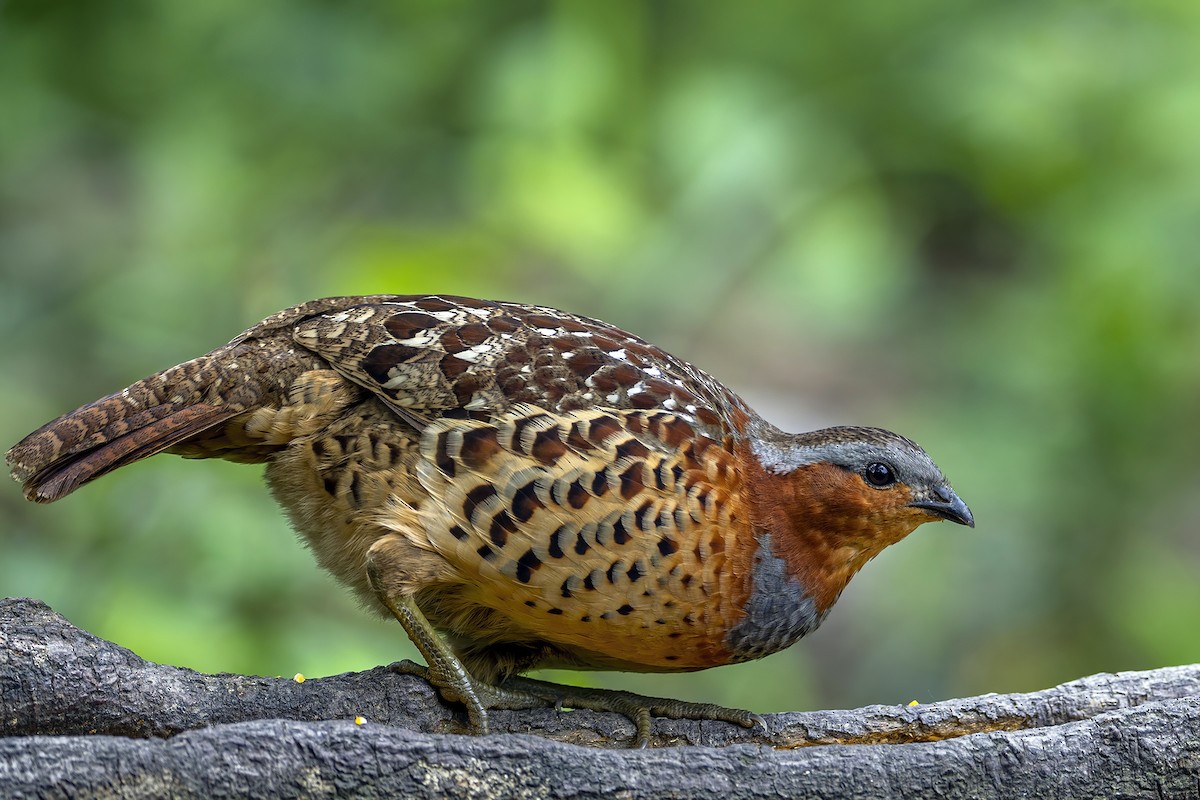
(80,715)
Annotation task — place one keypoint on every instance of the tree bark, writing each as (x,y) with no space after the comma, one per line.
(82,716)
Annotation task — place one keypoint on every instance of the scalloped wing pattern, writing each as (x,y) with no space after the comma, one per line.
(432,355)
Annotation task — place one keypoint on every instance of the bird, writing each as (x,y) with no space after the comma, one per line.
(522,488)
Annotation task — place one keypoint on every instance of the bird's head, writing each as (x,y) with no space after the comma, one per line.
(833,499)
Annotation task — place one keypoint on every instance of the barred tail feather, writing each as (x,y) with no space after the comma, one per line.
(64,475)
(150,416)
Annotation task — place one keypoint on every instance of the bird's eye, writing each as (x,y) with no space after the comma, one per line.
(879,475)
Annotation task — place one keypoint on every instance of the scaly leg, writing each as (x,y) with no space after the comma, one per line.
(445,671)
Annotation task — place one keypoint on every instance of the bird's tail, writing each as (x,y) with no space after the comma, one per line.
(150,416)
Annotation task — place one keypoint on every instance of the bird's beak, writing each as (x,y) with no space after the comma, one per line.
(947,505)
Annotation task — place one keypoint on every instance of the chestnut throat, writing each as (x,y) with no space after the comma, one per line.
(814,528)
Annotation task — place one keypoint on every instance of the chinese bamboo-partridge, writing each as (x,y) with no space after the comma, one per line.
(521,487)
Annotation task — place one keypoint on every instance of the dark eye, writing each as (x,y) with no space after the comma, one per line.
(880,475)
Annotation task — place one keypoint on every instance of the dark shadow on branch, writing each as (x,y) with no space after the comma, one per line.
(82,715)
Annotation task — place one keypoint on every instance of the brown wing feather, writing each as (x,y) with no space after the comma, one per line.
(430,355)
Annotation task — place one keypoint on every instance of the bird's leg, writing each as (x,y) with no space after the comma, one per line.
(445,671)
(638,708)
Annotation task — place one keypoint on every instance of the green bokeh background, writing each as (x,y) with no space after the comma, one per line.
(977,224)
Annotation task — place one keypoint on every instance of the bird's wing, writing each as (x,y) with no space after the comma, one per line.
(433,354)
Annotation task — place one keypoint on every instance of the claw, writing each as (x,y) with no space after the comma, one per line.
(641,724)
(407,667)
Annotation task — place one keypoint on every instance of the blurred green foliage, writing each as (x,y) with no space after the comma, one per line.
(977,224)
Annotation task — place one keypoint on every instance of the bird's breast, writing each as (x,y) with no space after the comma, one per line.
(778,611)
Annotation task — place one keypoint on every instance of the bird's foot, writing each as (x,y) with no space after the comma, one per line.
(458,686)
(640,709)
(518,694)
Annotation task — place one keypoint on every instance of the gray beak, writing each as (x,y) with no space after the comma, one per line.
(947,505)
